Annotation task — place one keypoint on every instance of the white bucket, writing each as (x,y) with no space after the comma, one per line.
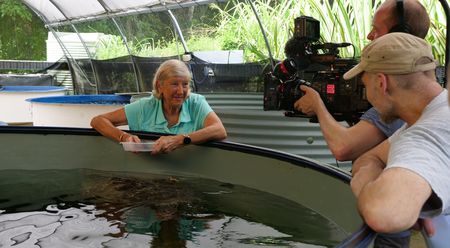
(14,109)
(74,110)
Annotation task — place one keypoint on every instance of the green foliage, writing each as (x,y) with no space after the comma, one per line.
(228,26)
(239,28)
(152,35)
(22,33)
(111,46)
(14,9)
(437,34)
(340,21)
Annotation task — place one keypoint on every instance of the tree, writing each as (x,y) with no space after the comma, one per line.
(22,33)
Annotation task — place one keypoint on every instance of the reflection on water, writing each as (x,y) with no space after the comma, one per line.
(86,208)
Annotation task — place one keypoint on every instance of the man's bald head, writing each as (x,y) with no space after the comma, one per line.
(415,18)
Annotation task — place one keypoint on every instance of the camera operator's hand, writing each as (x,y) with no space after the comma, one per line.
(309,102)
(427,225)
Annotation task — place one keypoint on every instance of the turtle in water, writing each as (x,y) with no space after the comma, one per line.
(168,196)
(168,207)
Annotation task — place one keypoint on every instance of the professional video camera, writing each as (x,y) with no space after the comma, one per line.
(316,65)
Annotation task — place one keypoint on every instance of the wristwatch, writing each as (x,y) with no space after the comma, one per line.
(186,140)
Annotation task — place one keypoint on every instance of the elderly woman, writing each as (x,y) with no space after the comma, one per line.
(171,109)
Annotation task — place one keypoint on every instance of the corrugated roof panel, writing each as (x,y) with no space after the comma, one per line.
(79,8)
(60,12)
(45,10)
(125,5)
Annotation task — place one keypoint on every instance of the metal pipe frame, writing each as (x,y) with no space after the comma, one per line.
(272,61)
(178,30)
(90,57)
(82,42)
(66,52)
(133,61)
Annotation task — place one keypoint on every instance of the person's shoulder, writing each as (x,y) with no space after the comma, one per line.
(371,115)
(372,111)
(144,102)
(195,97)
(146,99)
(438,108)
(149,98)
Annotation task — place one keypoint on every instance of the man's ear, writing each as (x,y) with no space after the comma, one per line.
(383,83)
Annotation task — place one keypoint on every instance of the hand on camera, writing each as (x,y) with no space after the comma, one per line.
(308,103)
(427,225)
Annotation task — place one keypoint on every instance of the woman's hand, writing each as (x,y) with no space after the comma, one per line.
(166,144)
(126,137)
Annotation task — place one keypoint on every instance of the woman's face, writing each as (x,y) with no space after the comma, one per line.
(174,91)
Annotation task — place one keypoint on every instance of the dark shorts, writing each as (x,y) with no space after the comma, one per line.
(395,240)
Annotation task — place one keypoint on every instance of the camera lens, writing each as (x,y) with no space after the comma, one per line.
(285,69)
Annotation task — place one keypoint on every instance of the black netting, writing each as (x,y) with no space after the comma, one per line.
(212,77)
(119,76)
(115,75)
(27,79)
(82,76)
(147,68)
(34,74)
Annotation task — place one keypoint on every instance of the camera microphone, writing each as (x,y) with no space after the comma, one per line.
(330,45)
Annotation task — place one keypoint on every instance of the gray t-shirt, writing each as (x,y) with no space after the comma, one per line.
(373,117)
(424,148)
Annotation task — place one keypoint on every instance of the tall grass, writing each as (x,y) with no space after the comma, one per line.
(240,29)
(340,21)
(437,34)
(112,46)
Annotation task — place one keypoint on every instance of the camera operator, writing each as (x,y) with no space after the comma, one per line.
(348,143)
(407,174)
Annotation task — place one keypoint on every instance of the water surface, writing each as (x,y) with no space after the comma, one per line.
(87,208)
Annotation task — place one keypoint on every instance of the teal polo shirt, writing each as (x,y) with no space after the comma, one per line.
(146,114)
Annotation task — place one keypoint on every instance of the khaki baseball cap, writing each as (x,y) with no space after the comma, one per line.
(395,53)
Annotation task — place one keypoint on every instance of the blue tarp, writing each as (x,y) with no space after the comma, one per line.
(84,99)
(32,88)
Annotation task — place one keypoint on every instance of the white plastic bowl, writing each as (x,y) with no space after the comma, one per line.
(146,146)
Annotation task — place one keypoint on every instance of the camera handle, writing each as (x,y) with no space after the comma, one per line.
(312,119)
(295,114)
